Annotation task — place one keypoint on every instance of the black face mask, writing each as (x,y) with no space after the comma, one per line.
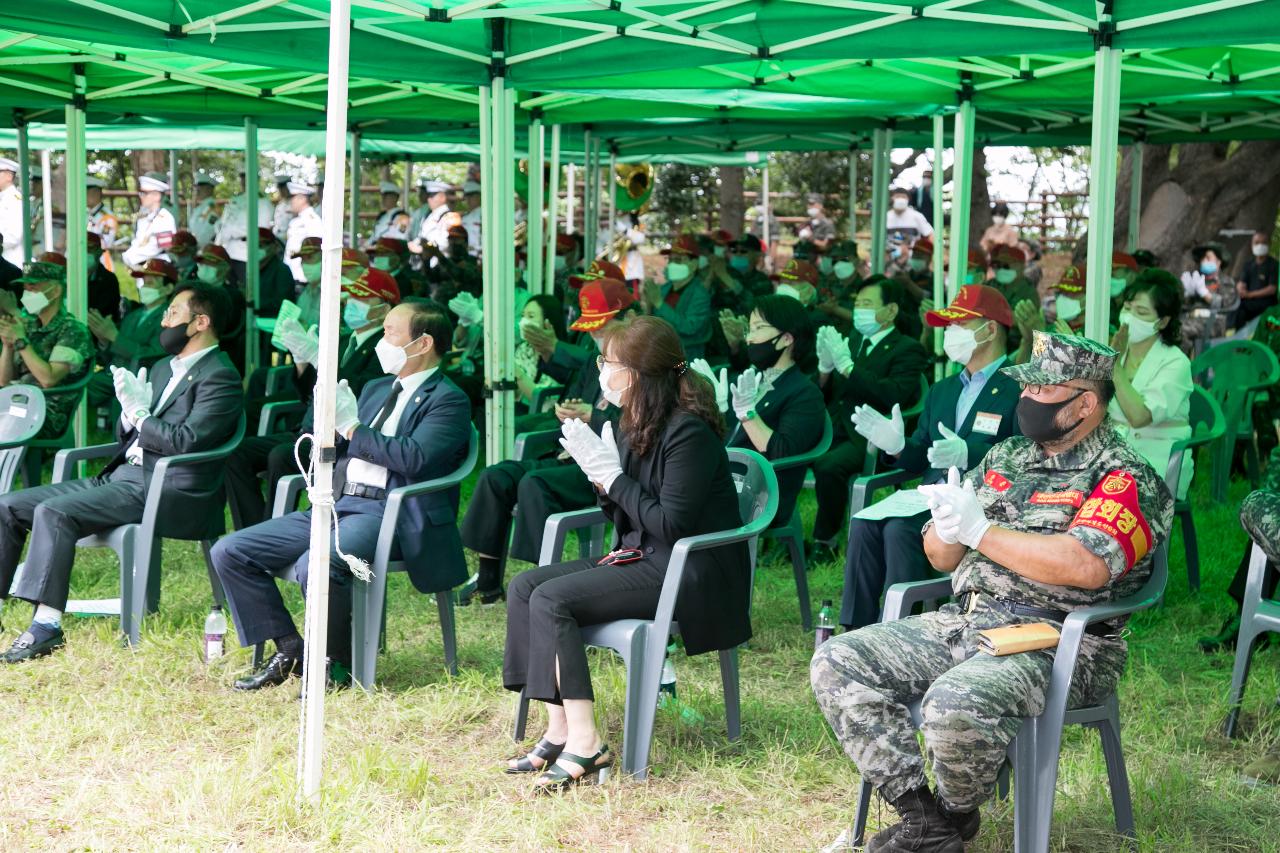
(764,355)
(1039,421)
(174,338)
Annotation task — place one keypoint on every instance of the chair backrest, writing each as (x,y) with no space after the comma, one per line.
(1233,372)
(757,486)
(808,457)
(918,407)
(22,411)
(278,379)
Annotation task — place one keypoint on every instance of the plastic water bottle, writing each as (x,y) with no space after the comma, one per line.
(826,624)
(667,684)
(215,631)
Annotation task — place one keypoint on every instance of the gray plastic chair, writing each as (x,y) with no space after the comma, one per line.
(137,545)
(21,417)
(793,531)
(642,643)
(1258,616)
(33,460)
(1207,426)
(369,601)
(1035,750)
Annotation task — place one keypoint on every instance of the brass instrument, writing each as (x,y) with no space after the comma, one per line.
(521,233)
(633,187)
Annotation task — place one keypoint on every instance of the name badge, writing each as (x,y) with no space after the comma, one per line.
(987,423)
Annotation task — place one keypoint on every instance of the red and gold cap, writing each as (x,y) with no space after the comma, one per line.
(600,300)
(973,300)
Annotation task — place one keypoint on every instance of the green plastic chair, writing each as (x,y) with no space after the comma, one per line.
(1234,372)
(1207,426)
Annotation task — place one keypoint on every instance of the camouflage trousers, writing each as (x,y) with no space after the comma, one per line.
(971,704)
(1260,515)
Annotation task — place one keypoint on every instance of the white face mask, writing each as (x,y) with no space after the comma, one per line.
(719,251)
(677,272)
(865,322)
(1006,276)
(312,271)
(1068,308)
(382,262)
(917,264)
(825,265)
(149,294)
(1261,250)
(34,301)
(206,273)
(703,262)
(1139,329)
(560,263)
(529,323)
(612,395)
(843,269)
(391,357)
(959,343)
(997,220)
(814,211)
(900,204)
(1118,285)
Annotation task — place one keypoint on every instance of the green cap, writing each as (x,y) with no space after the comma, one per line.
(41,271)
(1059,358)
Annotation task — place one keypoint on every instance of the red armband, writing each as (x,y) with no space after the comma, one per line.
(1112,507)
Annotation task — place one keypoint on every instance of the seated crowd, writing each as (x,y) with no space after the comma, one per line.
(1041,456)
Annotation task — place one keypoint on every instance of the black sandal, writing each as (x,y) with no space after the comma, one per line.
(544,749)
(557,779)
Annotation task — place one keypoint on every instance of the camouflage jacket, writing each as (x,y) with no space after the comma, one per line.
(1101,492)
(64,339)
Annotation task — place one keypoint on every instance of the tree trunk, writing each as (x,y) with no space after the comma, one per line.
(149,161)
(980,202)
(732,204)
(1191,193)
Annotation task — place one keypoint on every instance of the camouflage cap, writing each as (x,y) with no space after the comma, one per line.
(1059,358)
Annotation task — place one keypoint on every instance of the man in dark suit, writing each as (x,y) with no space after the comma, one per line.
(964,415)
(408,427)
(191,402)
(878,366)
(366,302)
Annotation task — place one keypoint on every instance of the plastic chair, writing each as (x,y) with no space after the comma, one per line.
(642,643)
(368,601)
(1035,750)
(21,417)
(138,545)
(278,379)
(1207,426)
(863,487)
(1239,370)
(793,531)
(33,461)
(1257,616)
(273,416)
(542,394)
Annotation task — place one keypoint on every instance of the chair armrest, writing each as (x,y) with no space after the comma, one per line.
(861,490)
(531,445)
(900,598)
(557,527)
(288,488)
(64,459)
(396,499)
(271,411)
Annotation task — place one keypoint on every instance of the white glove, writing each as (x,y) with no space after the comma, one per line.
(133,392)
(746,392)
(950,451)
(1193,284)
(958,516)
(596,455)
(826,361)
(888,434)
(467,308)
(346,414)
(721,384)
(840,355)
(304,346)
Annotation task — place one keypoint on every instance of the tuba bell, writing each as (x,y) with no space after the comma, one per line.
(633,186)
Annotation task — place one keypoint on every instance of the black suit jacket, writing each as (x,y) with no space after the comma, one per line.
(887,375)
(201,414)
(793,409)
(998,397)
(682,487)
(431,440)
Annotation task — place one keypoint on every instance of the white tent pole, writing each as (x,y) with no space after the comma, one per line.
(46,196)
(939,251)
(173,183)
(553,199)
(961,192)
(506,335)
(1135,197)
(405,191)
(588,233)
(77,300)
(533,243)
(251,270)
(610,180)
(24,186)
(353,228)
(323,452)
(1103,153)
(489,269)
(569,191)
(767,208)
(879,196)
(853,193)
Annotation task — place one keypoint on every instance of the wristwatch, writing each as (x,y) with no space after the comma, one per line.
(20,344)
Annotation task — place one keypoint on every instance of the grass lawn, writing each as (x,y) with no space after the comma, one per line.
(109,748)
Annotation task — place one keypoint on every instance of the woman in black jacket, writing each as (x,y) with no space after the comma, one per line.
(666,478)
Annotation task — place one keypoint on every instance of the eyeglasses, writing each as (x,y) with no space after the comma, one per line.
(169,314)
(601,361)
(1036,389)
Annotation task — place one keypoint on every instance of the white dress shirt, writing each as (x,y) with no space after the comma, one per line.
(180,367)
(366,473)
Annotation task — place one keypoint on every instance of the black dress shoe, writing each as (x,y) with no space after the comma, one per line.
(27,647)
(277,670)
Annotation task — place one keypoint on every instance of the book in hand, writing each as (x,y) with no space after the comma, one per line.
(1011,639)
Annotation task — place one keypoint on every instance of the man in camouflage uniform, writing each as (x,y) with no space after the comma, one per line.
(1260,515)
(1060,518)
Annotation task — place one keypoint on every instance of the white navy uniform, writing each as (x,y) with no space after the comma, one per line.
(11,225)
(233,228)
(152,235)
(203,223)
(281,218)
(303,225)
(434,230)
(471,222)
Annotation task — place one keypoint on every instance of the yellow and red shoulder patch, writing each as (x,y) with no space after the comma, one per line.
(997,481)
(1112,507)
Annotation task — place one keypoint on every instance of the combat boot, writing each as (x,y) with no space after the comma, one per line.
(923,828)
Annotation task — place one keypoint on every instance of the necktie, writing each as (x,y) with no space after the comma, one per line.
(350,350)
(385,411)
(863,349)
